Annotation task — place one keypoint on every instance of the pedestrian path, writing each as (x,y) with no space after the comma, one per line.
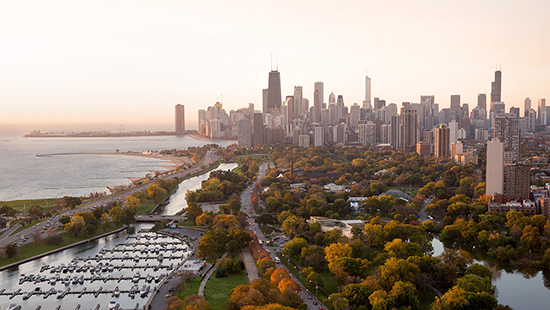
(249,265)
(207,276)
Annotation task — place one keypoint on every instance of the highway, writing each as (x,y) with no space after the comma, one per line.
(309,299)
(47,226)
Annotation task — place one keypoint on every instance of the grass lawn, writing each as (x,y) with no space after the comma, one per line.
(189,289)
(217,289)
(30,249)
(146,206)
(409,190)
(18,204)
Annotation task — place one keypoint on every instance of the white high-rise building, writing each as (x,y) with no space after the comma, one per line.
(367,103)
(318,136)
(453,134)
(495,167)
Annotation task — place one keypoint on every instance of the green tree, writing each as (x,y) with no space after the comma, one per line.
(76,225)
(156,193)
(396,269)
(12,250)
(36,212)
(294,247)
(293,226)
(132,202)
(192,211)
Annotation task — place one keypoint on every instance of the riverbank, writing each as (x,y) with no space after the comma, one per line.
(62,248)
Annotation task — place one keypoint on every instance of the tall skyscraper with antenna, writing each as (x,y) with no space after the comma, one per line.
(496,88)
(274,97)
(367,103)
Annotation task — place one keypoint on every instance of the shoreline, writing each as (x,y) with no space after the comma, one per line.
(171,163)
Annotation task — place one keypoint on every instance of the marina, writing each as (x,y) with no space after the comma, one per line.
(119,272)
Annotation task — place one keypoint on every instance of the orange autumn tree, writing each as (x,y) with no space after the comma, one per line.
(277,276)
(287,285)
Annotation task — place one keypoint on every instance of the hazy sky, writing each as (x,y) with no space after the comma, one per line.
(128,62)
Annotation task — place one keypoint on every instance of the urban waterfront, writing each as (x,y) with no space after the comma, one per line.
(96,252)
(32,177)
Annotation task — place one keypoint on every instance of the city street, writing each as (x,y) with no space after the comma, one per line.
(309,299)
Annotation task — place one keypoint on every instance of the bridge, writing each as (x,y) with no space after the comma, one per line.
(159,218)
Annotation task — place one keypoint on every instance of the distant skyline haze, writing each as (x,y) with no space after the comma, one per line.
(129,62)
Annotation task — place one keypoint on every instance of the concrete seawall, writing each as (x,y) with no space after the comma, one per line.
(17,263)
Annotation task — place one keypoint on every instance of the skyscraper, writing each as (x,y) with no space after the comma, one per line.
(495,167)
(258,129)
(367,103)
(180,118)
(340,108)
(455,105)
(506,129)
(442,142)
(274,97)
(289,109)
(526,106)
(482,101)
(541,113)
(395,131)
(265,96)
(317,105)
(409,130)
(332,98)
(298,96)
(320,86)
(496,87)
(245,137)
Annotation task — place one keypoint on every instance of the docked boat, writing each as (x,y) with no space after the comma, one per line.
(116,292)
(136,277)
(59,294)
(26,295)
(144,291)
(112,304)
(149,278)
(157,279)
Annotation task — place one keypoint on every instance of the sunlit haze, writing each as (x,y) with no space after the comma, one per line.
(107,63)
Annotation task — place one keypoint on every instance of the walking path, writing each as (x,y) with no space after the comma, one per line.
(249,265)
(207,276)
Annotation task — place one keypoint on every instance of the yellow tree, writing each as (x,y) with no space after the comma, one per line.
(156,193)
(132,202)
(337,250)
(76,225)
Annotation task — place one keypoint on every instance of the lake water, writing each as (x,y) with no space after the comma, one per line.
(515,289)
(177,201)
(26,176)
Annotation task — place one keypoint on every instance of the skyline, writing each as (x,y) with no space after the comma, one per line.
(123,63)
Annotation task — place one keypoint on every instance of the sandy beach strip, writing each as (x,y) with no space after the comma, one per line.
(171,162)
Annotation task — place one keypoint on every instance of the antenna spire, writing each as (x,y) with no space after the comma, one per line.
(271,62)
(277,62)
